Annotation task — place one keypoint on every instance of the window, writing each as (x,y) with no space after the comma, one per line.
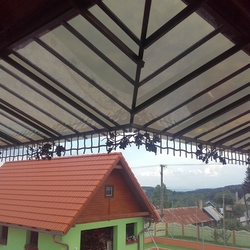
(32,239)
(131,233)
(109,191)
(4,235)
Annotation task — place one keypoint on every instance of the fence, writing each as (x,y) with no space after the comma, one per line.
(197,233)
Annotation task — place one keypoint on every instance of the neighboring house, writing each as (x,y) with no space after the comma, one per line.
(228,211)
(242,201)
(209,203)
(245,219)
(72,203)
(185,215)
(213,213)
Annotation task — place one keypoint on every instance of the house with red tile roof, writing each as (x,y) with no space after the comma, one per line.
(73,203)
(185,215)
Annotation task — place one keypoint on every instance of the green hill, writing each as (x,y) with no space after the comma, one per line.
(193,198)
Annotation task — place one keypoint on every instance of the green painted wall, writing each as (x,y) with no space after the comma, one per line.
(73,236)
(17,237)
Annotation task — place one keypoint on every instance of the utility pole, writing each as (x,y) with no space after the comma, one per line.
(162,197)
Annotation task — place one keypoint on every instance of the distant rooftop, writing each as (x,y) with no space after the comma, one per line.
(185,215)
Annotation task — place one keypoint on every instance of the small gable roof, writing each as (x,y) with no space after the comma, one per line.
(211,211)
(49,194)
(185,215)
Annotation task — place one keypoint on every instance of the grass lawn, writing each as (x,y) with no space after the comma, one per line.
(149,245)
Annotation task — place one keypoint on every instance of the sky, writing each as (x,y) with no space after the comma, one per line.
(180,173)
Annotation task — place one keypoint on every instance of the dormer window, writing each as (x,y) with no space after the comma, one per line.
(109,191)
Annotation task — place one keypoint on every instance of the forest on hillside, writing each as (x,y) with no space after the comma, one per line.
(193,198)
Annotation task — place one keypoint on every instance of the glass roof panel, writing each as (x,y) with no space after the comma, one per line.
(20,131)
(186,65)
(176,41)
(210,110)
(64,43)
(30,110)
(60,119)
(102,43)
(37,55)
(111,25)
(195,86)
(239,138)
(220,120)
(12,133)
(228,134)
(162,11)
(66,113)
(242,143)
(45,93)
(132,19)
(225,128)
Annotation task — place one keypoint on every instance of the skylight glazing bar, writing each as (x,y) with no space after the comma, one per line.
(9,138)
(114,39)
(23,125)
(222,124)
(173,22)
(19,114)
(52,100)
(99,53)
(233,136)
(38,108)
(244,146)
(229,131)
(213,115)
(145,21)
(183,54)
(208,106)
(119,22)
(16,132)
(192,75)
(227,78)
(71,66)
(54,90)
(239,142)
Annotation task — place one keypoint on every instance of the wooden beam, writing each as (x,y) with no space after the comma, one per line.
(115,217)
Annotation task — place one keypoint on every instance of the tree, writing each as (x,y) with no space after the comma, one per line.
(246,183)
(238,210)
(246,189)
(229,197)
(156,196)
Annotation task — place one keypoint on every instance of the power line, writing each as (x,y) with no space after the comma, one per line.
(183,164)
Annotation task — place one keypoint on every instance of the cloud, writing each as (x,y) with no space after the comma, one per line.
(149,173)
(195,171)
(212,171)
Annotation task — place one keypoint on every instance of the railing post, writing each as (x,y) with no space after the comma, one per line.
(198,232)
(234,237)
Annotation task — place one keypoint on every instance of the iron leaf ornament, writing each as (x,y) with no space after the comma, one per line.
(206,154)
(115,140)
(45,152)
